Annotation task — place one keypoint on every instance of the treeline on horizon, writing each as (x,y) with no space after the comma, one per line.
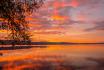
(10,42)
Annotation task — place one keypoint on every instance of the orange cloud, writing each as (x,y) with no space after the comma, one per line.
(31,19)
(58,17)
(34,25)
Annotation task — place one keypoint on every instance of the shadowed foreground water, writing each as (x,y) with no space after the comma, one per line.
(54,57)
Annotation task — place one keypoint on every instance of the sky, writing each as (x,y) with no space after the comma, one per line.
(80,21)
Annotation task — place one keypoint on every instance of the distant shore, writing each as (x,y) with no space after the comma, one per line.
(10,42)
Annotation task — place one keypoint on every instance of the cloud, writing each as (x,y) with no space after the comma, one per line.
(98,26)
(47,32)
(74,3)
(61,14)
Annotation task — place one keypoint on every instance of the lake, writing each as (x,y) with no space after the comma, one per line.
(54,57)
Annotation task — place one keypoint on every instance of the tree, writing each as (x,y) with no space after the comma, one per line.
(13,13)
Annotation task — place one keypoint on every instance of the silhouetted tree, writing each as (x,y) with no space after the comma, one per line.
(13,13)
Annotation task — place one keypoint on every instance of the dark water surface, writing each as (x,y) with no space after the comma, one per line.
(54,57)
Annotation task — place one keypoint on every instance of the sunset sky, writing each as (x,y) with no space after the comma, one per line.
(80,21)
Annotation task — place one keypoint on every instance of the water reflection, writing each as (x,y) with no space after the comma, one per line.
(54,57)
(36,65)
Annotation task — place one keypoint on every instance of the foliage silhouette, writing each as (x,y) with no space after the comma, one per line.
(13,13)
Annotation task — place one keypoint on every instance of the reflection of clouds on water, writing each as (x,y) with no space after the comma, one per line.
(56,64)
(54,57)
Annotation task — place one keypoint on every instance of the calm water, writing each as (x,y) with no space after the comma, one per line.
(54,57)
